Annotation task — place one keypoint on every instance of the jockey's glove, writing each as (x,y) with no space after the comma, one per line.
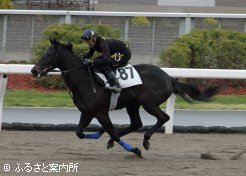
(87,62)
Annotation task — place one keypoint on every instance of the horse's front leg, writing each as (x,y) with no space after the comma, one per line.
(85,120)
(108,126)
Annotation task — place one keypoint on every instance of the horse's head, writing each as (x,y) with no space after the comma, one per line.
(48,61)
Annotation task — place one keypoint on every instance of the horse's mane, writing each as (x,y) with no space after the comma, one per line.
(68,46)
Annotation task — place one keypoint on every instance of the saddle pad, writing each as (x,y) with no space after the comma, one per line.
(127,76)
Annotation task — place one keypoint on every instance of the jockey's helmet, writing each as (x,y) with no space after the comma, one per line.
(88,34)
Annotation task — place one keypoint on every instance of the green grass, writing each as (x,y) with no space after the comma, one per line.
(228,102)
(63,99)
(37,99)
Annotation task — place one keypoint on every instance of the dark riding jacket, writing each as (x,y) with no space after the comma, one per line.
(108,48)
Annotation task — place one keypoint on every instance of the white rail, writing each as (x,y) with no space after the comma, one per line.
(122,14)
(6,69)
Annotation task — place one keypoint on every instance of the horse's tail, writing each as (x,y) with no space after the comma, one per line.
(191,92)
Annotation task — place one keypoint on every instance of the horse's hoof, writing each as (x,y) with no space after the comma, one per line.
(137,152)
(110,145)
(146,145)
(80,135)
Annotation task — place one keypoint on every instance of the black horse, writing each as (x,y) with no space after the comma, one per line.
(156,88)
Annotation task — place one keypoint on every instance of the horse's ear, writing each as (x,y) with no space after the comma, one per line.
(54,42)
(69,46)
(51,41)
(53,38)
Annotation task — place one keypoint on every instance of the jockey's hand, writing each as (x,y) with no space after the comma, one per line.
(87,62)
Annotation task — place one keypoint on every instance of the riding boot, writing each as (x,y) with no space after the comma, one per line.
(113,81)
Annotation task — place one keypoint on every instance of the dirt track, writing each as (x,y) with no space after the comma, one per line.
(173,155)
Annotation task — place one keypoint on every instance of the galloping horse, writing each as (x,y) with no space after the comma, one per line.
(156,88)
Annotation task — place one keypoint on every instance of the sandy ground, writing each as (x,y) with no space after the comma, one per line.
(173,155)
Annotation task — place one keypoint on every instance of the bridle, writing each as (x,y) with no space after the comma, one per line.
(73,69)
(66,71)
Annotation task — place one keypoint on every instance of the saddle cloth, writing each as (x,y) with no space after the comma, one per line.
(127,77)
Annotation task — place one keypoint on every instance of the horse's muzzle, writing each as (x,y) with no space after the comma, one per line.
(37,72)
(34,72)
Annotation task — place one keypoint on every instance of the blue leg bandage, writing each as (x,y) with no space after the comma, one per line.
(126,146)
(93,136)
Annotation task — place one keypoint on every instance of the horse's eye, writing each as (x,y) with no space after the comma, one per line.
(48,54)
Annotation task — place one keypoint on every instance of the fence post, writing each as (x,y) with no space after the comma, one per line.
(3,84)
(153,40)
(245,25)
(68,19)
(4,37)
(32,30)
(185,25)
(127,19)
(188,25)
(170,112)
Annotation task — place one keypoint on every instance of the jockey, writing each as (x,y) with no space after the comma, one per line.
(114,53)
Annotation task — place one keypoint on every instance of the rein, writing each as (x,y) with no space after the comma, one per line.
(73,69)
(65,72)
(69,70)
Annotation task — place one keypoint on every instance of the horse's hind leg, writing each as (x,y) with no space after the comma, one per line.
(136,123)
(162,118)
(108,126)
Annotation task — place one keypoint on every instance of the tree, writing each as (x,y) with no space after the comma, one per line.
(6,4)
(207,48)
